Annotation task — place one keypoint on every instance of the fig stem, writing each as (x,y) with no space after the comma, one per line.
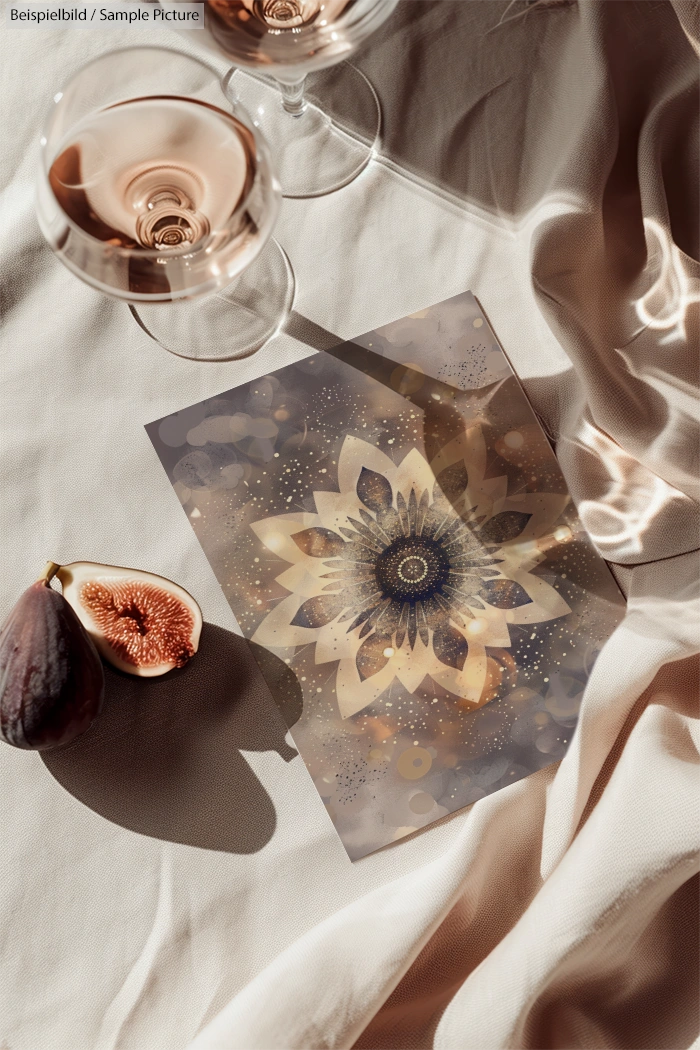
(49,572)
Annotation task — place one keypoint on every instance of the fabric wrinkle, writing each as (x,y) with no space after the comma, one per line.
(135,985)
(549,164)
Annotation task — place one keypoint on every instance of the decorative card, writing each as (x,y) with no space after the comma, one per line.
(388,521)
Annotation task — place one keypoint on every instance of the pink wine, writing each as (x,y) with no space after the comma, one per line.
(254,31)
(157,176)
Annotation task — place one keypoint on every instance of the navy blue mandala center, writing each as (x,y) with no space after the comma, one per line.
(412,569)
(409,569)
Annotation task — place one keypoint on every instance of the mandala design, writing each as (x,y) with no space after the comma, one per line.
(410,571)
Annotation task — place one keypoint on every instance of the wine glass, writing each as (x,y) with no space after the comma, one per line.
(319,113)
(153,191)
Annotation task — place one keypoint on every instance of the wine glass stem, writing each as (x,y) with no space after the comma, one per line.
(293,96)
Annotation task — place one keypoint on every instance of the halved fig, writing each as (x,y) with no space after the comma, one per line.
(141,623)
(51,678)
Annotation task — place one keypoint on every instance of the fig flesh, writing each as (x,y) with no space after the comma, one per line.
(141,623)
(51,678)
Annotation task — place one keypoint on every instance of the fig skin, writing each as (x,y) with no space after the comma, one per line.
(51,677)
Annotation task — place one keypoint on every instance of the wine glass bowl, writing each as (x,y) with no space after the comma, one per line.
(154,191)
(290,38)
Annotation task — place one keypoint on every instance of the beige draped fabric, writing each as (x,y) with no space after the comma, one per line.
(171,880)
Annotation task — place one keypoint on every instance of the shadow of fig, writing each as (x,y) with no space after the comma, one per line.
(164,757)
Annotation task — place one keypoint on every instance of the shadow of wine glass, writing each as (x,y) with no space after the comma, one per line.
(164,757)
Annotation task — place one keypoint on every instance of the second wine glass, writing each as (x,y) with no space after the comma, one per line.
(320,114)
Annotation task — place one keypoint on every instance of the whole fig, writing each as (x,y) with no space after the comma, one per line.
(51,678)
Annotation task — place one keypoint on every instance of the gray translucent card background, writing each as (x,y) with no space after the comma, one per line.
(489,691)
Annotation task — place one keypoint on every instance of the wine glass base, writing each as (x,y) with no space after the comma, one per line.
(231,323)
(329,143)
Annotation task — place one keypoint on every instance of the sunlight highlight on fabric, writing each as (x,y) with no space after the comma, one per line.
(618,521)
(665,305)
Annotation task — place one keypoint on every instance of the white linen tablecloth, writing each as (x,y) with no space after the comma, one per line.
(172,879)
